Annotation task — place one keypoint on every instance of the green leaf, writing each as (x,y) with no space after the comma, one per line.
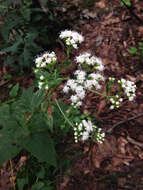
(21,182)
(132,50)
(7,76)
(10,60)
(30,100)
(14,90)
(37,186)
(42,147)
(50,122)
(126,2)
(41,173)
(7,151)
(14,48)
(39,123)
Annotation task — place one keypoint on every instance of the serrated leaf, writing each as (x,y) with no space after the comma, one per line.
(38,123)
(41,173)
(14,48)
(8,151)
(31,100)
(42,147)
(21,182)
(38,186)
(14,90)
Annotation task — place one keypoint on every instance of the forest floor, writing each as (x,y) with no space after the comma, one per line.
(109,30)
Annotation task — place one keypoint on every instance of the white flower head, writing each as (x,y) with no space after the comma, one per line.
(71,38)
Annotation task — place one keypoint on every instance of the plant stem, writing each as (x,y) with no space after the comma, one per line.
(63,113)
(68,53)
(98,93)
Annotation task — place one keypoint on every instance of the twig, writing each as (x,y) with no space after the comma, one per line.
(134,142)
(132,13)
(124,121)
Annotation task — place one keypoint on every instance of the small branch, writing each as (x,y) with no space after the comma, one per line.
(132,13)
(134,142)
(124,121)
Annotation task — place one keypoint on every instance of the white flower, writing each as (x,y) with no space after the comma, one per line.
(71,38)
(44,59)
(38,61)
(88,84)
(81,95)
(88,125)
(79,89)
(85,136)
(70,82)
(66,89)
(47,87)
(79,103)
(41,77)
(74,98)
(129,88)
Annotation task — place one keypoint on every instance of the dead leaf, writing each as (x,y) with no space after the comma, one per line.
(101,4)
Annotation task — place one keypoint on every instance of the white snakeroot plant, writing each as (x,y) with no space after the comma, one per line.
(83,80)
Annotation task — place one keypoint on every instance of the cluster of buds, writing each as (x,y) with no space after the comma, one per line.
(115,101)
(42,83)
(99,135)
(45,60)
(84,130)
(71,38)
(129,88)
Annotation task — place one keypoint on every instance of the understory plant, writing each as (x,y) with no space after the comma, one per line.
(24,30)
(137,51)
(38,120)
(88,77)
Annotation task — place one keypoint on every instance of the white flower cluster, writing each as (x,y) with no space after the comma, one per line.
(79,85)
(99,135)
(129,88)
(42,83)
(71,38)
(87,58)
(45,59)
(115,100)
(82,131)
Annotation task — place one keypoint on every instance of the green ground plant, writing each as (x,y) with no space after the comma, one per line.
(25,29)
(137,51)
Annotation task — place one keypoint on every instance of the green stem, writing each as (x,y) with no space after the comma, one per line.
(68,52)
(63,114)
(98,93)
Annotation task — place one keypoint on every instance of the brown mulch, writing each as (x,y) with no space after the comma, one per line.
(109,31)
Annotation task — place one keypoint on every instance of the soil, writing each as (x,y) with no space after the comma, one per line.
(110,30)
